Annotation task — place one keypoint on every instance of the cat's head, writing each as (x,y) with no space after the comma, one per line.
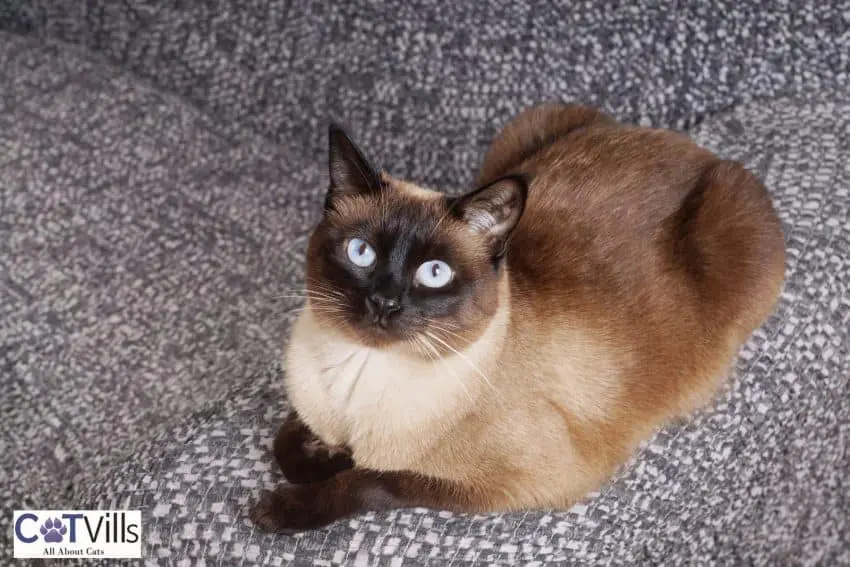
(394,264)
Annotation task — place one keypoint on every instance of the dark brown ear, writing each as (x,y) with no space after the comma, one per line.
(350,171)
(494,210)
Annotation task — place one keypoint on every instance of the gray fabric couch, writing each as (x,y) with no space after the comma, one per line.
(161,164)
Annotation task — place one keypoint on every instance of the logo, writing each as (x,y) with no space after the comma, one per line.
(53,530)
(105,534)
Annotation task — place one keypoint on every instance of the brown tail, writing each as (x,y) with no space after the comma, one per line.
(729,241)
(532,130)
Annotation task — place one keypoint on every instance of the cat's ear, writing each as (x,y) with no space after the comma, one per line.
(350,171)
(494,210)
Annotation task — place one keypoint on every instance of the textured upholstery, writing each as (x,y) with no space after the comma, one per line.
(161,165)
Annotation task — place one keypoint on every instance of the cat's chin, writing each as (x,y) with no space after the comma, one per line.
(409,343)
(367,334)
(374,336)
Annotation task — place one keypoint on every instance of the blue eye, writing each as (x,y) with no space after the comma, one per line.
(361,253)
(434,273)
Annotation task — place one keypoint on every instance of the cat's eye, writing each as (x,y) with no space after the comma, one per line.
(434,273)
(361,253)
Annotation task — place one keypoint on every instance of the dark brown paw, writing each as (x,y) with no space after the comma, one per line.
(290,508)
(303,458)
(320,465)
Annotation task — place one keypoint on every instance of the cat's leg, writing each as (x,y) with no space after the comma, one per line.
(303,457)
(293,507)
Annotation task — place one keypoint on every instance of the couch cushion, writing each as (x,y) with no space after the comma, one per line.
(423,81)
(141,253)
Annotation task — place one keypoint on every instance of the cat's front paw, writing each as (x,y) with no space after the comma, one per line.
(303,457)
(290,508)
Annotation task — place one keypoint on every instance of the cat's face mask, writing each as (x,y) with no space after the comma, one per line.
(392,263)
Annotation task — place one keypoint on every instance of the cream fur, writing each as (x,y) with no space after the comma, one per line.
(398,411)
(389,405)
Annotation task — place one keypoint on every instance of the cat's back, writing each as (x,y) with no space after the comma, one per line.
(596,182)
(636,233)
(599,196)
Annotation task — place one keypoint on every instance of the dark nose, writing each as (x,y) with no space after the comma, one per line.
(382,308)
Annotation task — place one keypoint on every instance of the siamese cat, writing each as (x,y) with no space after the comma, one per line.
(510,348)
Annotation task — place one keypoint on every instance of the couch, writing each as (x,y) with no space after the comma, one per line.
(162,162)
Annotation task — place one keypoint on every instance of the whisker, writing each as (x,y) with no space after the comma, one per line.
(322,286)
(439,222)
(436,322)
(438,327)
(340,363)
(357,377)
(416,343)
(452,334)
(318,307)
(447,367)
(315,288)
(463,357)
(324,290)
(307,296)
(434,354)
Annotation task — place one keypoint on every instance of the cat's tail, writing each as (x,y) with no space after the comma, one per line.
(531,131)
(729,241)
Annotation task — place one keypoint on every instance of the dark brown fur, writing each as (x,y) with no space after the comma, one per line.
(303,457)
(367,216)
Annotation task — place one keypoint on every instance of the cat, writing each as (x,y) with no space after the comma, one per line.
(509,349)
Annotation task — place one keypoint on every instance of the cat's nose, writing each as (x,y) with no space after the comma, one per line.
(382,308)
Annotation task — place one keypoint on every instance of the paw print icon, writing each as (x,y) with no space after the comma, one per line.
(52,530)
